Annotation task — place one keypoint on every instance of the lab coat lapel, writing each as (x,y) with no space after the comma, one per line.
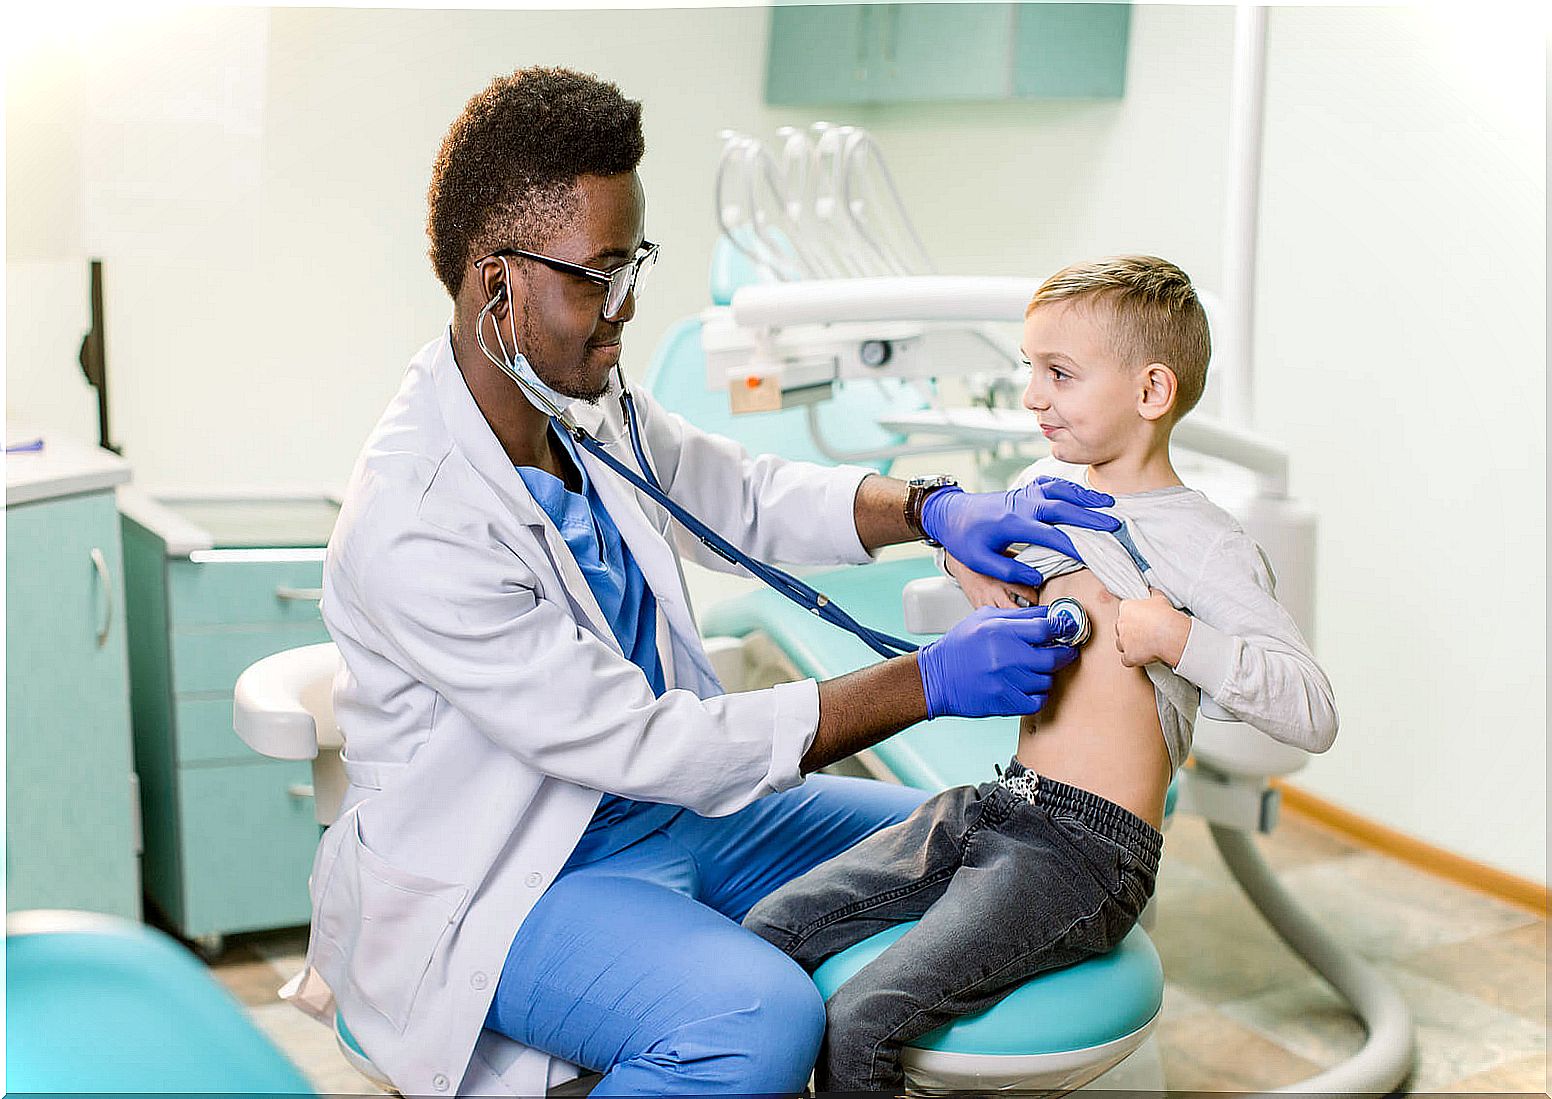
(483,451)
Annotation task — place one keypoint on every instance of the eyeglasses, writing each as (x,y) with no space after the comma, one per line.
(618,284)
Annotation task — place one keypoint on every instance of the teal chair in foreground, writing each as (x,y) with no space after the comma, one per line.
(97,1004)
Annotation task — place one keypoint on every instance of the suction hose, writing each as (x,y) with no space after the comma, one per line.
(1387,1055)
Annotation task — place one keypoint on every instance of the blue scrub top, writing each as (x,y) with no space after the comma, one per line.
(628,604)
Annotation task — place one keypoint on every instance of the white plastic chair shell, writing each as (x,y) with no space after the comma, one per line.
(283,707)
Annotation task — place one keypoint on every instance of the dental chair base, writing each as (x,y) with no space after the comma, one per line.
(930,1073)
(357,1058)
(1056,1032)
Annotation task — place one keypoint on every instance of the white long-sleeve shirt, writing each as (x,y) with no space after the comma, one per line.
(1244,651)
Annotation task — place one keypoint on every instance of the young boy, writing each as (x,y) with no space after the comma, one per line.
(1054,861)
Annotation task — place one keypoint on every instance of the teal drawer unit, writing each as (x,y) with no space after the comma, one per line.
(839,54)
(229,834)
(71,822)
(242,884)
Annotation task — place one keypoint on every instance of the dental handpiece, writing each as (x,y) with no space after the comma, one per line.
(1071,621)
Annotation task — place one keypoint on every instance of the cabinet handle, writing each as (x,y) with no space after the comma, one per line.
(100,563)
(300,790)
(299,595)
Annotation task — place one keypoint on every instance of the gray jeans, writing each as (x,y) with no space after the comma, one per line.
(1005,887)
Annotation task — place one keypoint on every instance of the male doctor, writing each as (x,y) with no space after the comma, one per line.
(556,818)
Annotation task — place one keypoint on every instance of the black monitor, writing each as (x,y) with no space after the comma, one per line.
(94,360)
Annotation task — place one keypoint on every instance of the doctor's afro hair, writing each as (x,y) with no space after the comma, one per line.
(512,158)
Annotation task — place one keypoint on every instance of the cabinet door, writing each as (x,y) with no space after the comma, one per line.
(249,835)
(71,821)
(1071,51)
(944,52)
(822,54)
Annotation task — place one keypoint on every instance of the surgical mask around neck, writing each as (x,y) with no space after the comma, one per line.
(517,363)
(513,361)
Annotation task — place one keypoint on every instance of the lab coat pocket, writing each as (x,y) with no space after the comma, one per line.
(404,919)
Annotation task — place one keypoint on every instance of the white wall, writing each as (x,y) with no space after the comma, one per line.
(261,208)
(1402,346)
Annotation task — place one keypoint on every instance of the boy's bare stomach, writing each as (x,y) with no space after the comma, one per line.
(1099,729)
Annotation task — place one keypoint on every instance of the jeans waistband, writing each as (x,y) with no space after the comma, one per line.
(1120,824)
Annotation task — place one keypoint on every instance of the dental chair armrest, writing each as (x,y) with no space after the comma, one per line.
(933,604)
(281,706)
(1231,747)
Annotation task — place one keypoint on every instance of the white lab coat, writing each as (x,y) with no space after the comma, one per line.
(485,703)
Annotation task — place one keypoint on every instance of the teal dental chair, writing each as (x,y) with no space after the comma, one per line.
(1230,786)
(97,1004)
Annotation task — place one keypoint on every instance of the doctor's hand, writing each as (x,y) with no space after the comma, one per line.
(993,663)
(978,527)
(984,591)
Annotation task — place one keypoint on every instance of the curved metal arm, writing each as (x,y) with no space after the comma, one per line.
(1386,1057)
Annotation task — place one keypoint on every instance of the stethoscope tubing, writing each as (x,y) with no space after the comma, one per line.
(808,598)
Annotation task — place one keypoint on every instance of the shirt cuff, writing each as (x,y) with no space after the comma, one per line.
(840,513)
(940,556)
(796,725)
(1208,658)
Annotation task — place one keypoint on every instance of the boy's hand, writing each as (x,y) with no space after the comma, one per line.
(985,591)
(1151,629)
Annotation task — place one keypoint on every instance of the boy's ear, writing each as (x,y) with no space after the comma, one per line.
(1156,397)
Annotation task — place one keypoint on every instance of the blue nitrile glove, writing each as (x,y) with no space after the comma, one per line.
(976,527)
(995,662)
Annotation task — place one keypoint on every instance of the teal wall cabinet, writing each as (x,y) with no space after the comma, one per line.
(214,585)
(862,54)
(71,820)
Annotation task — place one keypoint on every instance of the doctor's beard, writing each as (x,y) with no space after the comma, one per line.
(575,384)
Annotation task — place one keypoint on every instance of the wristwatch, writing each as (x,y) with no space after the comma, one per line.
(917,491)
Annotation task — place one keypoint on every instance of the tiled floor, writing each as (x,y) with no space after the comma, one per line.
(1240,1011)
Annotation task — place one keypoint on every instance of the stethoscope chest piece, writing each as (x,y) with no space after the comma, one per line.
(1072,621)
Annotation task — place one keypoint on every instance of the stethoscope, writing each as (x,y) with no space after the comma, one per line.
(811,600)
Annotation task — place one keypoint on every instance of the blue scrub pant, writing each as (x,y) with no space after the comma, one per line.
(635,965)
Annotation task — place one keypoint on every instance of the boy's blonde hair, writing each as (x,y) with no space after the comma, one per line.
(1155,315)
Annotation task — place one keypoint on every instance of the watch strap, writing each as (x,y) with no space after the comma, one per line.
(917,491)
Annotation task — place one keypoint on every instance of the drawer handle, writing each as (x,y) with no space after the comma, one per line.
(299,595)
(300,790)
(100,563)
